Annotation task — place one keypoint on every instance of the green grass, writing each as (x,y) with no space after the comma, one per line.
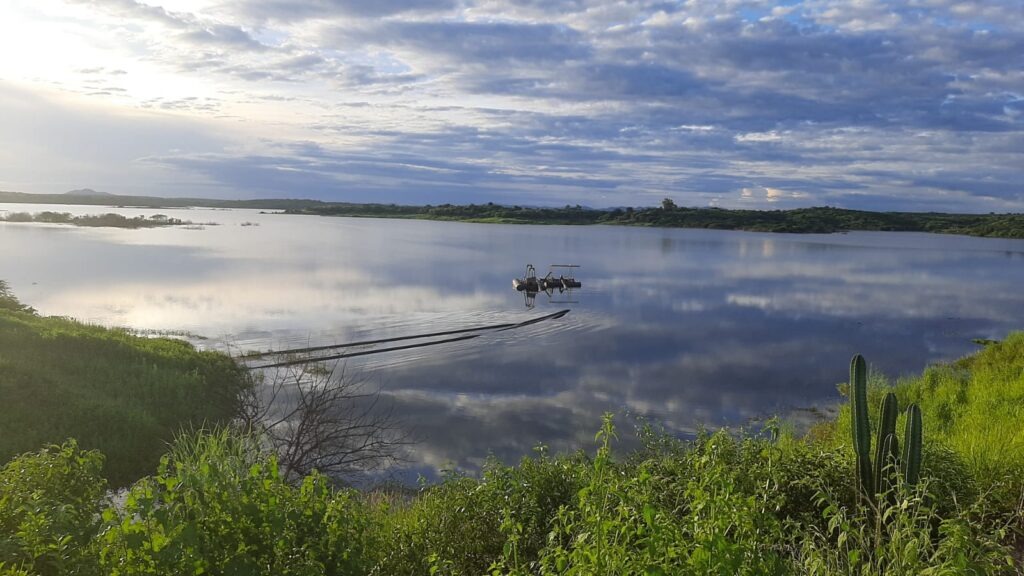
(973,413)
(124,395)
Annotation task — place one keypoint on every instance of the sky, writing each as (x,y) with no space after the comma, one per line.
(901,105)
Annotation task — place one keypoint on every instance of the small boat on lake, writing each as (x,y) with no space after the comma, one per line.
(532,283)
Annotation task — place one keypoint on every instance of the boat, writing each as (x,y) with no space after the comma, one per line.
(530,284)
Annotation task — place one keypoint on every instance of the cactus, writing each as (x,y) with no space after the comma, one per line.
(880,478)
(910,464)
(860,424)
(887,414)
(887,466)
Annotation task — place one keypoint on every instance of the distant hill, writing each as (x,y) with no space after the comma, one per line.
(86,192)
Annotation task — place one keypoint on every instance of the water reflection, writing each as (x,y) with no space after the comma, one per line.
(686,327)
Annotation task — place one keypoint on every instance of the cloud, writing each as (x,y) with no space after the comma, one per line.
(189,28)
(366,177)
(895,104)
(222,35)
(102,70)
(473,44)
(769,194)
(290,11)
(135,9)
(63,141)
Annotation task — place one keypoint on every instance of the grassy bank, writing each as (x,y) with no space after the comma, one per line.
(124,395)
(724,503)
(970,407)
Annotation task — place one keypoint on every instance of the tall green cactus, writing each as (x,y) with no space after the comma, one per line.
(860,424)
(887,466)
(887,415)
(881,476)
(910,464)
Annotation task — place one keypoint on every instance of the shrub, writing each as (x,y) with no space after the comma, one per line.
(50,503)
(218,505)
(675,516)
(907,537)
(463,525)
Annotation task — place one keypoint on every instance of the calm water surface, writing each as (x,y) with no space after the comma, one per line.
(685,327)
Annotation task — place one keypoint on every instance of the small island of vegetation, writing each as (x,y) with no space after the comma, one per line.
(95,220)
(937,490)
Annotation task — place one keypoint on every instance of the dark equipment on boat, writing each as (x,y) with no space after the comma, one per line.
(530,285)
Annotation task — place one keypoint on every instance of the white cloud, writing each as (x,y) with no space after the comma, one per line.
(769,194)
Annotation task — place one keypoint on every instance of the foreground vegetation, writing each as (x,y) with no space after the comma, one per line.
(802,220)
(122,394)
(768,502)
(95,220)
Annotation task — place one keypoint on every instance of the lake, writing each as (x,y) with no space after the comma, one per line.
(686,328)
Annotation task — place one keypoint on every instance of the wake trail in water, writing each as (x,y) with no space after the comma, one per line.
(469,333)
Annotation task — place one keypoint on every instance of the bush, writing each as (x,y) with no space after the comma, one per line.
(463,525)
(50,503)
(218,505)
(907,537)
(672,516)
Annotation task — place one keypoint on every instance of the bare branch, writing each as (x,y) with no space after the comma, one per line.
(323,419)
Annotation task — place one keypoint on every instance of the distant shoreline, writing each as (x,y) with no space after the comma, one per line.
(817,220)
